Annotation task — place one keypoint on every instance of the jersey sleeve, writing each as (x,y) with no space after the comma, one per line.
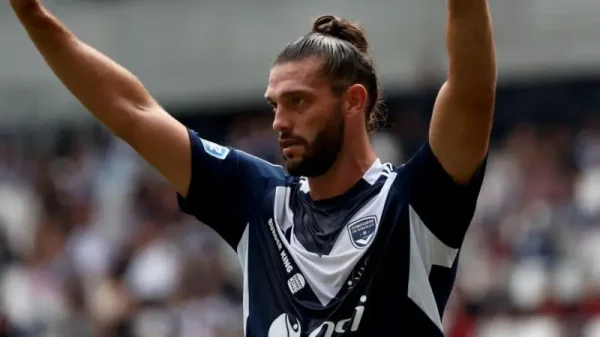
(443,206)
(225,184)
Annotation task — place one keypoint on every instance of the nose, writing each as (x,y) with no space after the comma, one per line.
(281,121)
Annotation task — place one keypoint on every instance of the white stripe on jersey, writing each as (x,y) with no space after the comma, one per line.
(242,250)
(426,250)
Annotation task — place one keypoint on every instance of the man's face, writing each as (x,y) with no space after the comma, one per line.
(308,117)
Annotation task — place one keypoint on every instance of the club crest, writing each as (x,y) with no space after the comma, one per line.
(362,231)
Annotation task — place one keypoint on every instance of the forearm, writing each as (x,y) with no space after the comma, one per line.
(472,64)
(110,92)
(463,111)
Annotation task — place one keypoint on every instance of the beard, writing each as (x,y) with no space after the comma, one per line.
(320,154)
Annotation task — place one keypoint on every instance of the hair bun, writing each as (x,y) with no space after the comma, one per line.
(328,25)
(341,29)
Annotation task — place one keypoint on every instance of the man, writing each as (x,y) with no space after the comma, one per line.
(341,244)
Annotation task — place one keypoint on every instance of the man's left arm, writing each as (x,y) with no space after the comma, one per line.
(463,112)
(446,174)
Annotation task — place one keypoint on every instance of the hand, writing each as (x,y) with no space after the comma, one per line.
(25,6)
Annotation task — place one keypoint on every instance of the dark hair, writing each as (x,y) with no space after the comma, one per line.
(345,52)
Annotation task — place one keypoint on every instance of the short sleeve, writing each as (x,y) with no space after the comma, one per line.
(445,207)
(224,185)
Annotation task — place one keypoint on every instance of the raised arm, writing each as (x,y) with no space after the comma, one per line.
(463,112)
(111,93)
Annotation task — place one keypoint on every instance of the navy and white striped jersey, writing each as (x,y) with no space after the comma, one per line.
(379,260)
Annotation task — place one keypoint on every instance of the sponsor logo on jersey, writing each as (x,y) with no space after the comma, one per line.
(296,283)
(288,325)
(282,252)
(215,150)
(362,231)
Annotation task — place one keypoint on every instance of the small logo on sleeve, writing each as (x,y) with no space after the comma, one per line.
(362,231)
(215,150)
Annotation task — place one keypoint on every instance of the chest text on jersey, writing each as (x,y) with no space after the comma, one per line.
(287,325)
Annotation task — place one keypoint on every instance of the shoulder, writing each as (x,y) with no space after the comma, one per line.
(232,161)
(261,168)
(425,167)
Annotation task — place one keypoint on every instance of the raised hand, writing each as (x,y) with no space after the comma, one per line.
(25,6)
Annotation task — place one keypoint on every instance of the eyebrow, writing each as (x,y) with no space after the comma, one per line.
(271,100)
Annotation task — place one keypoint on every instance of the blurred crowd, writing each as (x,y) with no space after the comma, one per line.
(530,263)
(92,242)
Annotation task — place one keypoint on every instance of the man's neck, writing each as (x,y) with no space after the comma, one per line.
(344,174)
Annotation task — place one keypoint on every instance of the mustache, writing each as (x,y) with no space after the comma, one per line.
(289,139)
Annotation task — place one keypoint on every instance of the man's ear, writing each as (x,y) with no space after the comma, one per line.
(355,100)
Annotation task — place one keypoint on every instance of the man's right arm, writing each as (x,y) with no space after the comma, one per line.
(111,93)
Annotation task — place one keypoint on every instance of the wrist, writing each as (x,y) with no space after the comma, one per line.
(30,12)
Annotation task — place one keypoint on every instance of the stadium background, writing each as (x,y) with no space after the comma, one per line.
(92,244)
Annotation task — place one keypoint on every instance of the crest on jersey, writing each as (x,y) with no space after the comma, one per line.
(215,150)
(362,231)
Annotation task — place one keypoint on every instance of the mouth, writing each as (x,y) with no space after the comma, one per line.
(287,146)
(286,143)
